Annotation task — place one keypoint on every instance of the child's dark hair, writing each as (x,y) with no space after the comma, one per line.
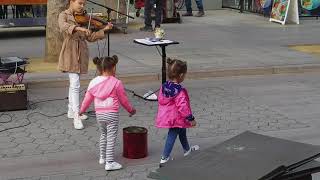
(105,63)
(176,67)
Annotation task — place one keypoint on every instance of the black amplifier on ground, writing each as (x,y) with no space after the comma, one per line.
(13,97)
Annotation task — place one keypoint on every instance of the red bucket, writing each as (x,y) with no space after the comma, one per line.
(135,142)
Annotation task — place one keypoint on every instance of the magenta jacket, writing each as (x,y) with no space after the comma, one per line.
(107,92)
(174,110)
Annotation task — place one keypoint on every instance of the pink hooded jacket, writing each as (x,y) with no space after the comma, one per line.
(107,92)
(174,111)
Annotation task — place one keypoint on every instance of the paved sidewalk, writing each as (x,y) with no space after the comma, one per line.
(224,107)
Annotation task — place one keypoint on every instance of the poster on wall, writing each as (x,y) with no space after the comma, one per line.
(285,11)
(310,7)
(264,5)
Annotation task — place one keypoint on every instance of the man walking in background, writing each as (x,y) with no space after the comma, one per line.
(189,8)
(148,6)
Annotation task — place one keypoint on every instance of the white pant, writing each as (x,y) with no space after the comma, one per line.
(74,92)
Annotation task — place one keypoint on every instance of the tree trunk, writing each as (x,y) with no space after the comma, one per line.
(54,38)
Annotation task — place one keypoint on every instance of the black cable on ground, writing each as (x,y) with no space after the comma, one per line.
(28,115)
(144,98)
(48,100)
(28,123)
(10,117)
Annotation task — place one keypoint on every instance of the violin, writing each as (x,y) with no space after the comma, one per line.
(90,21)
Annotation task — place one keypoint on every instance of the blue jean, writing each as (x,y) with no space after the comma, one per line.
(148,6)
(198,2)
(171,138)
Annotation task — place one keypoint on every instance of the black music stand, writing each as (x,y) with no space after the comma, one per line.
(163,44)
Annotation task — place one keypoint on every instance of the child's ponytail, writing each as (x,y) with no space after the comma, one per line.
(115,59)
(105,63)
(176,67)
(97,62)
(170,61)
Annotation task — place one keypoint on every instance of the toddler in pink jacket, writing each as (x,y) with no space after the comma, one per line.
(174,110)
(108,93)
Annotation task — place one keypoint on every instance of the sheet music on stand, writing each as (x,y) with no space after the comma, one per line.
(153,41)
(163,43)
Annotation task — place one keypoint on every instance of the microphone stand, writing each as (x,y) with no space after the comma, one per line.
(109,10)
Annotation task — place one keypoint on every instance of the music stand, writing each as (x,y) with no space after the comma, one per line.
(163,44)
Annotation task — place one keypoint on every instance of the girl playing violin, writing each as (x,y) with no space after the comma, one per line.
(74,55)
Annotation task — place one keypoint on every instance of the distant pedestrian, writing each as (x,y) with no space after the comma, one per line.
(148,6)
(189,8)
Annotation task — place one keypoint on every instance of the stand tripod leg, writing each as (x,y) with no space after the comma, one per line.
(164,65)
(146,97)
(109,11)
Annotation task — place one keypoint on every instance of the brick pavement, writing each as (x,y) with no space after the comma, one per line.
(220,109)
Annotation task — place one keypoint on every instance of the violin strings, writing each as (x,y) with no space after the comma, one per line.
(104,47)
(98,49)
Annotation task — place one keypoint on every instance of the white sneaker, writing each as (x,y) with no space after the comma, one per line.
(112,166)
(164,160)
(77,122)
(192,148)
(71,116)
(102,161)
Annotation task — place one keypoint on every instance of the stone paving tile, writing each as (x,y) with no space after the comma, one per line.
(218,110)
(129,173)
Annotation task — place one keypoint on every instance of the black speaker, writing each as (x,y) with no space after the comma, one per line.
(13,97)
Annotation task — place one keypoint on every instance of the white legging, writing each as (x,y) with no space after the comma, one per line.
(74,92)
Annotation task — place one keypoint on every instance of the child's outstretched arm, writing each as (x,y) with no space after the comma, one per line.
(124,99)
(88,98)
(183,104)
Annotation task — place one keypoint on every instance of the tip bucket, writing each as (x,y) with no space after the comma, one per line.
(135,142)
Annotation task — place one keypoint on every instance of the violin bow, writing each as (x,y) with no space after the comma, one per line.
(90,17)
